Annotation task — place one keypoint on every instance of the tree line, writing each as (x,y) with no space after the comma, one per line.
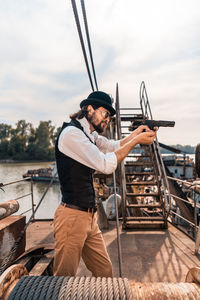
(24,142)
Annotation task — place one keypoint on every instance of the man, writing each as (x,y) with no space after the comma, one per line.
(80,151)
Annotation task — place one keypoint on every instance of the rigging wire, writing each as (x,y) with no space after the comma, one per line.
(88,40)
(81,40)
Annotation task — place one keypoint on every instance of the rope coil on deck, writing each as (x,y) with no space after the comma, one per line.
(71,288)
(62,288)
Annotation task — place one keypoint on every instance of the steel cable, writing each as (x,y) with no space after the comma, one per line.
(28,293)
(19,288)
(45,288)
(70,288)
(57,288)
(104,288)
(35,295)
(28,286)
(122,291)
(98,288)
(127,289)
(63,288)
(81,40)
(75,288)
(86,287)
(80,288)
(110,288)
(52,286)
(88,40)
(116,289)
(14,294)
(92,288)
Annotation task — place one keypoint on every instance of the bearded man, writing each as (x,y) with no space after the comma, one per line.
(80,150)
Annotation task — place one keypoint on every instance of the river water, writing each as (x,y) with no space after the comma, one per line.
(10,172)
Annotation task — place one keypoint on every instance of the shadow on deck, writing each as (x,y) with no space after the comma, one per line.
(147,256)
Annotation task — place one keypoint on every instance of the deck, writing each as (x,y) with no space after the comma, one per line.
(147,256)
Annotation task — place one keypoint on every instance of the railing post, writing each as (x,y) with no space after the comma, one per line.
(195,214)
(197,241)
(32,201)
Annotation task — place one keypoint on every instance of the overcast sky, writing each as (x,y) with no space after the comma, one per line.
(43,74)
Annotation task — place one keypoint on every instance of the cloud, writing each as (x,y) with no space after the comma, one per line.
(43,74)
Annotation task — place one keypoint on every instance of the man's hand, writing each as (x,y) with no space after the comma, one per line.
(127,144)
(140,129)
(145,138)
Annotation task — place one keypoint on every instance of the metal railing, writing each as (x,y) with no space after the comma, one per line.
(29,179)
(193,199)
(146,110)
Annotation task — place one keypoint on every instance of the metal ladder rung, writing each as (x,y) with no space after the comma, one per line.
(145,183)
(142,194)
(143,206)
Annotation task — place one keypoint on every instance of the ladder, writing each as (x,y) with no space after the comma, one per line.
(144,186)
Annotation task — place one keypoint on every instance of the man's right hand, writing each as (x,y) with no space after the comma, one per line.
(145,138)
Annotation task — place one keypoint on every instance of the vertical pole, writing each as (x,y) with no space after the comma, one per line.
(32,200)
(122,167)
(195,214)
(117,217)
(117,227)
(184,165)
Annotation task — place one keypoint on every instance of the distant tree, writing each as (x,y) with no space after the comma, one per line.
(56,133)
(5,131)
(4,147)
(44,135)
(31,147)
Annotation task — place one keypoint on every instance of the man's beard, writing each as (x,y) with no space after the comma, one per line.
(97,127)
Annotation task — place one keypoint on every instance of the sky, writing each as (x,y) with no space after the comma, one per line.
(43,75)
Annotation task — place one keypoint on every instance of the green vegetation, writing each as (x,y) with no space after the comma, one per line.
(24,142)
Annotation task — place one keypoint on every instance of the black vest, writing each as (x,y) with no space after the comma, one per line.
(76,179)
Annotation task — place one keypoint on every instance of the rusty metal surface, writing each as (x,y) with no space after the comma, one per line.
(10,228)
(165,291)
(9,279)
(7,208)
(147,256)
(193,275)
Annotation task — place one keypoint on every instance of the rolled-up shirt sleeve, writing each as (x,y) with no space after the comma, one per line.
(105,145)
(75,144)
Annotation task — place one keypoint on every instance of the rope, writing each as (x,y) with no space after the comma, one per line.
(81,40)
(80,288)
(86,288)
(63,288)
(70,288)
(104,288)
(56,289)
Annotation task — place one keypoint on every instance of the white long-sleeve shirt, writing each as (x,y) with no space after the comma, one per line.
(99,156)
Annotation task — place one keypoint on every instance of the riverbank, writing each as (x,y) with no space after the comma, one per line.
(10,161)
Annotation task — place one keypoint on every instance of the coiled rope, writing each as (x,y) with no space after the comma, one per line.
(62,288)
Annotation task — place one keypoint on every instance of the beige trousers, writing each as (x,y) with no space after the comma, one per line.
(77,235)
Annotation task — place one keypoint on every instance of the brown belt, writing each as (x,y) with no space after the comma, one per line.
(88,209)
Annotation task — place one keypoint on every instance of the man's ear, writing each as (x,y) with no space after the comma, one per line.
(90,110)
